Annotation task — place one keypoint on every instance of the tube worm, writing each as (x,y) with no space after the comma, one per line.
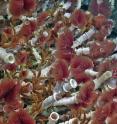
(29,5)
(99,20)
(91,72)
(104,30)
(84,37)
(11,67)
(12,106)
(68,86)
(26,74)
(98,50)
(87,95)
(67,5)
(66,54)
(42,18)
(105,76)
(53,118)
(7,57)
(9,90)
(22,57)
(65,40)
(113,119)
(82,51)
(71,121)
(50,100)
(67,101)
(20,116)
(60,70)
(78,66)
(106,97)
(36,54)
(78,18)
(16,7)
(100,7)
(28,28)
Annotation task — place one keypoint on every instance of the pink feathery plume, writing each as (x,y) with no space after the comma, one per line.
(103,7)
(107,96)
(87,95)
(65,40)
(16,7)
(20,117)
(28,29)
(78,66)
(79,18)
(113,119)
(60,70)
(12,106)
(66,54)
(30,5)
(9,89)
(102,49)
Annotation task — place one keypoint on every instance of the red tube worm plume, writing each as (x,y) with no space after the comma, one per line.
(11,67)
(102,49)
(103,67)
(87,95)
(20,117)
(8,32)
(12,105)
(104,31)
(26,88)
(65,40)
(42,18)
(107,96)
(58,26)
(78,65)
(18,40)
(99,20)
(105,111)
(66,54)
(9,89)
(60,70)
(16,7)
(22,57)
(28,29)
(103,8)
(78,18)
(99,116)
(29,5)
(113,119)
(23,74)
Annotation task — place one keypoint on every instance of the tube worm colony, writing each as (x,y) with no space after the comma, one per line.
(57,63)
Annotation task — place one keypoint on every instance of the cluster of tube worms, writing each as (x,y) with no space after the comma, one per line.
(57,64)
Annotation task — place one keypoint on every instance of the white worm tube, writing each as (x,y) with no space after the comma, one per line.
(29,74)
(66,101)
(84,51)
(112,84)
(53,118)
(91,72)
(71,121)
(79,4)
(99,2)
(50,100)
(66,5)
(45,71)
(68,86)
(105,76)
(36,54)
(6,57)
(84,37)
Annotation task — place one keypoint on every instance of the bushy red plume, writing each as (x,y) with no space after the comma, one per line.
(60,70)
(20,117)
